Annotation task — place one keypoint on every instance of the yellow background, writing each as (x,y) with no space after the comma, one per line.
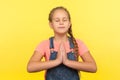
(24,23)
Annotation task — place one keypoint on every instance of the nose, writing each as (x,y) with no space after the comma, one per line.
(61,22)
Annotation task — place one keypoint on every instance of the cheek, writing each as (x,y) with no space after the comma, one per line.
(52,25)
(68,25)
(55,24)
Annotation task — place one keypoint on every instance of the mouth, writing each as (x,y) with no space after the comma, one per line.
(61,27)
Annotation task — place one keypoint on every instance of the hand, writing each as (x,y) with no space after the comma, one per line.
(60,52)
(64,54)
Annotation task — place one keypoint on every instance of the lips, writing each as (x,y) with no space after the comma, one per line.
(61,27)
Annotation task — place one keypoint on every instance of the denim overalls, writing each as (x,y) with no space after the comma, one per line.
(62,72)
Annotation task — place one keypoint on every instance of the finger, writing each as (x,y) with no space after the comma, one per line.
(61,46)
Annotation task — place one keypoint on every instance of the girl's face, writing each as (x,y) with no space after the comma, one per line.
(60,22)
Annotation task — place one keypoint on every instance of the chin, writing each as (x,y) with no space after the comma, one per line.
(62,33)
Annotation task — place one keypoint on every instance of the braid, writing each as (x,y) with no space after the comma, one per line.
(74,42)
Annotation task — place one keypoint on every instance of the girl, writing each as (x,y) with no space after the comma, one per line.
(61,51)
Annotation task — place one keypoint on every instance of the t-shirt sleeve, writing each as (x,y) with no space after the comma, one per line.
(41,47)
(82,48)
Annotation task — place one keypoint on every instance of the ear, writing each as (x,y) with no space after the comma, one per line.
(50,24)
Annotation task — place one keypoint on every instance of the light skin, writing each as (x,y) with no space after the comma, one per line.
(60,24)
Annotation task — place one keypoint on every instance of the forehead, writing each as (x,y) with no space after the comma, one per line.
(60,13)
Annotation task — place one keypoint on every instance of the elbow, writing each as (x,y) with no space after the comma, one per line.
(94,69)
(29,68)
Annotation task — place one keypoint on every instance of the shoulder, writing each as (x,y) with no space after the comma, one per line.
(82,47)
(79,41)
(44,42)
(42,45)
(81,44)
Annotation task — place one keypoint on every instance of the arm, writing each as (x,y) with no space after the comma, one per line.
(35,64)
(88,64)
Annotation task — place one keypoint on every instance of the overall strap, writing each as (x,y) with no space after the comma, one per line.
(71,43)
(51,43)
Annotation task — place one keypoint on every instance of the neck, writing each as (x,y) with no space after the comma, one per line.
(60,38)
